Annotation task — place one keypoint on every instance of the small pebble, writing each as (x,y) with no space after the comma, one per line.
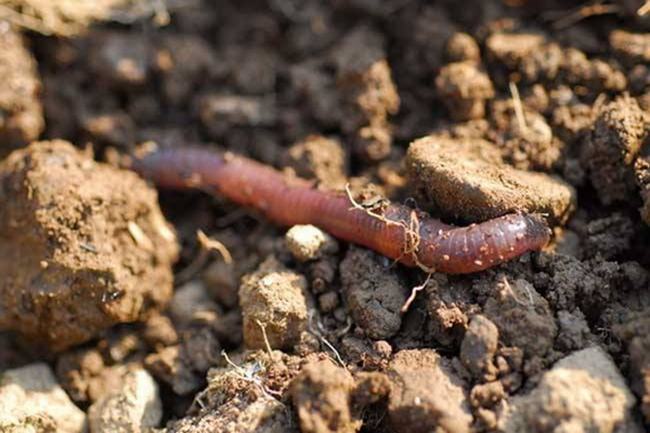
(306,243)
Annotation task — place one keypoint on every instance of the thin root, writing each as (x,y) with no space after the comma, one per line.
(266,339)
(414,294)
(318,333)
(411,231)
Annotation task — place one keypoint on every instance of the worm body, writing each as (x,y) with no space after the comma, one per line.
(401,233)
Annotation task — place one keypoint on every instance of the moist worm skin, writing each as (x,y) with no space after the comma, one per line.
(410,237)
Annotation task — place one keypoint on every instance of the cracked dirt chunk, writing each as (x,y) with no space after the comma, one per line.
(307,242)
(583,392)
(426,395)
(134,407)
(463,87)
(32,401)
(374,292)
(321,395)
(273,298)
(83,246)
(612,146)
(465,179)
(21,113)
(479,346)
(517,306)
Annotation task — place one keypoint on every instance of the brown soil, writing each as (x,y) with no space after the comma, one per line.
(465,111)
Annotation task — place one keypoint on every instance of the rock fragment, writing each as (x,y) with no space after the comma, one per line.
(307,243)
(134,407)
(32,401)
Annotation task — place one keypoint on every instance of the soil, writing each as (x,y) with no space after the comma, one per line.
(108,296)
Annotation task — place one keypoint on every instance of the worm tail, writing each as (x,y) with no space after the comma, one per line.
(481,246)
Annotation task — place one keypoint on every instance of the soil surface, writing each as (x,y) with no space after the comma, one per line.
(116,316)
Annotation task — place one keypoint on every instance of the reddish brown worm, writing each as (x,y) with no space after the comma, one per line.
(399,232)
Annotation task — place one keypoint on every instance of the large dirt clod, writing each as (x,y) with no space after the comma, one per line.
(83,246)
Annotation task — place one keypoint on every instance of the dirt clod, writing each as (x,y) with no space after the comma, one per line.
(321,395)
(479,346)
(21,113)
(465,179)
(583,392)
(426,395)
(464,88)
(273,302)
(134,407)
(306,242)
(516,306)
(612,146)
(32,401)
(83,246)
(320,158)
(374,293)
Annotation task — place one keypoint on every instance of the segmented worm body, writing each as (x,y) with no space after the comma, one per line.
(399,232)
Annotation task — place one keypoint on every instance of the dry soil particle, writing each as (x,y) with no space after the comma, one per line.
(479,347)
(307,243)
(366,86)
(426,395)
(134,406)
(239,399)
(82,246)
(32,401)
(615,140)
(79,373)
(526,143)
(635,332)
(462,47)
(321,396)
(642,173)
(517,306)
(463,87)
(274,302)
(532,58)
(374,292)
(21,113)
(631,47)
(466,179)
(119,59)
(583,392)
(320,158)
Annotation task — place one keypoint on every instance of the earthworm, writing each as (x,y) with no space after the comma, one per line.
(409,236)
